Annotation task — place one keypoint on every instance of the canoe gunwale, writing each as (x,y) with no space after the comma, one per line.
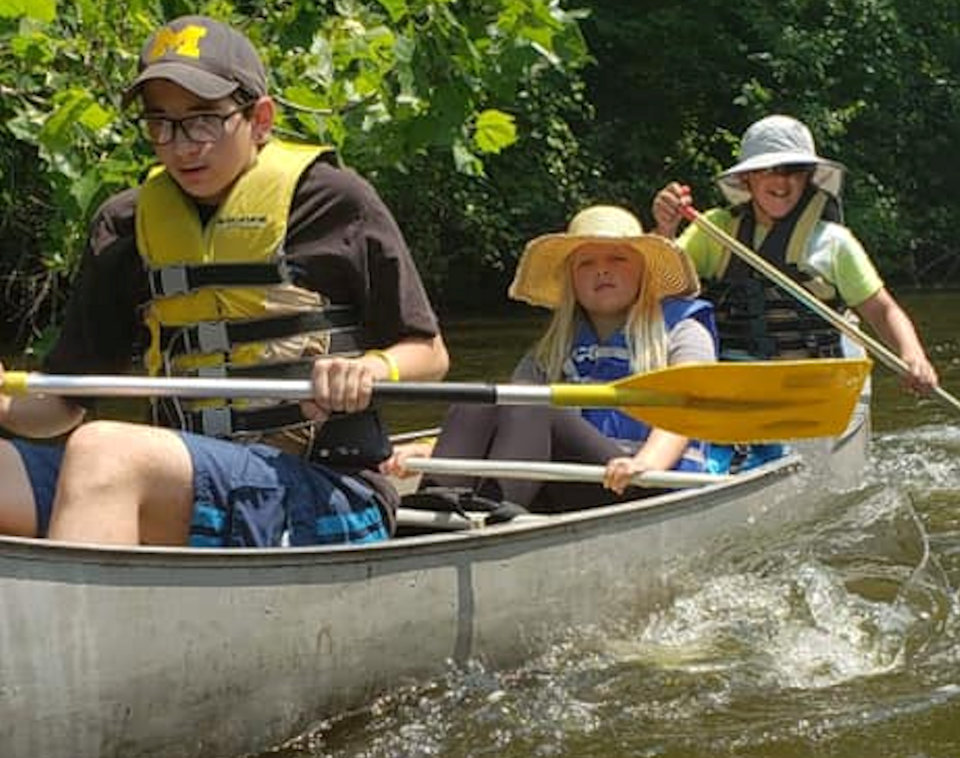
(665,505)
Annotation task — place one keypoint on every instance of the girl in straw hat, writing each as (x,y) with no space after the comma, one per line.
(623,302)
(785,205)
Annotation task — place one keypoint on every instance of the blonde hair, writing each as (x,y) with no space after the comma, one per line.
(645,332)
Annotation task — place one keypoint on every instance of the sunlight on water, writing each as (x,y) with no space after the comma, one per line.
(925,457)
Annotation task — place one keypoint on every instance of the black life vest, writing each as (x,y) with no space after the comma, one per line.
(756,319)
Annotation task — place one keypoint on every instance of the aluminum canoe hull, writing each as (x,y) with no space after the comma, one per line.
(109,653)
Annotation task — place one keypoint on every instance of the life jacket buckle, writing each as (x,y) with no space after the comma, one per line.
(216,422)
(212,372)
(283,268)
(212,337)
(173,280)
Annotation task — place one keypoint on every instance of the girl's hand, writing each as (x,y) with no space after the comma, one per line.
(620,471)
(396,464)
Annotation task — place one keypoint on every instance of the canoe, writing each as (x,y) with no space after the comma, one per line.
(128,653)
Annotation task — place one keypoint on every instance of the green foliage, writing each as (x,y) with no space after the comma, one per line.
(389,82)
(467,232)
(487,122)
(494,131)
(64,146)
(395,85)
(41,10)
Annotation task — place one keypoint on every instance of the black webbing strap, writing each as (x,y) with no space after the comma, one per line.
(177,280)
(219,336)
(345,439)
(300,369)
(224,422)
(460,500)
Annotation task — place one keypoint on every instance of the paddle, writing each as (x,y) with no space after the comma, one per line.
(556,472)
(720,402)
(877,349)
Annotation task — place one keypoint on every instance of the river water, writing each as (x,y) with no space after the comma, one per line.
(839,637)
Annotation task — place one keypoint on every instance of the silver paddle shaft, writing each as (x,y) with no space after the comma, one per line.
(556,472)
(90,385)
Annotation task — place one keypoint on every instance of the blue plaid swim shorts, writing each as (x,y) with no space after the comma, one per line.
(246,496)
(258,496)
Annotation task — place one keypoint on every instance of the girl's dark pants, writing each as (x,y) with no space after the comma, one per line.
(529,433)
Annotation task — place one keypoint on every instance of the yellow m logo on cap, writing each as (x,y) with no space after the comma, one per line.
(185,42)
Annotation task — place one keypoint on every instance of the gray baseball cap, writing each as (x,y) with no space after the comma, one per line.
(207,57)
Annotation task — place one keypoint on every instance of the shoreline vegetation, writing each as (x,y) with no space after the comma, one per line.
(484,126)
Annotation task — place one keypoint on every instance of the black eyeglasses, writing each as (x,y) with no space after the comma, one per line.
(788,169)
(203,127)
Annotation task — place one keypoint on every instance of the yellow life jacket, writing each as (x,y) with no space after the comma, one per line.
(223,301)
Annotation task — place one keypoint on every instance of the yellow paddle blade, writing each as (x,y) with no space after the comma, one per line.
(736,402)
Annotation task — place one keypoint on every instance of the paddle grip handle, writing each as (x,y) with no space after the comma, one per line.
(448,392)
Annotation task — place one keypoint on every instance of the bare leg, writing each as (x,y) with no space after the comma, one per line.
(18,513)
(124,484)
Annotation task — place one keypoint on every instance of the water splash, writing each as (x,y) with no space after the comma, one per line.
(924,457)
(799,629)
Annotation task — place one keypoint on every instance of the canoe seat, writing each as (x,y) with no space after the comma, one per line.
(460,500)
(440,508)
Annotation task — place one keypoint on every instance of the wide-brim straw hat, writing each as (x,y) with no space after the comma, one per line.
(779,141)
(539,279)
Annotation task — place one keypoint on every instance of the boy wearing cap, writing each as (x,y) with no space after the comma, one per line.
(785,205)
(241,255)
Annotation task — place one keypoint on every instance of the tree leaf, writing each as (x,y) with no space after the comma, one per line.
(12,8)
(85,189)
(41,10)
(94,117)
(57,131)
(494,131)
(396,8)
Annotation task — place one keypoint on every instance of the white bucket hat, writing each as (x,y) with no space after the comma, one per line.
(539,278)
(779,141)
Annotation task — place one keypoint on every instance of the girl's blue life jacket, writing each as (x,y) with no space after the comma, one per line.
(595,362)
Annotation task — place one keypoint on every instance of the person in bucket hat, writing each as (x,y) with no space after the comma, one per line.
(623,302)
(239,254)
(784,204)
(777,142)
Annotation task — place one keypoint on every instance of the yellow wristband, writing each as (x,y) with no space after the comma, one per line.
(393,370)
(14,383)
